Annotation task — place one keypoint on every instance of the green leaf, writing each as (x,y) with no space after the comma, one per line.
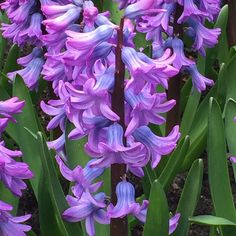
(31,233)
(10,65)
(230,129)
(198,131)
(189,197)
(148,179)
(172,166)
(8,197)
(112,6)
(157,222)
(18,132)
(56,197)
(217,167)
(210,220)
(75,149)
(231,82)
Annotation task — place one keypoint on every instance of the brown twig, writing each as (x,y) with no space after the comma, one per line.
(174,85)
(118,226)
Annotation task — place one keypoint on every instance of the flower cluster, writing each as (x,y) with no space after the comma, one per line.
(12,172)
(81,63)
(158,18)
(25,28)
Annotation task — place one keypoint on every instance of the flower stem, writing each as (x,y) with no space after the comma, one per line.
(174,86)
(118,226)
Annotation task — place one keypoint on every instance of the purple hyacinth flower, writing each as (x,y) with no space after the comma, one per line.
(83,177)
(24,61)
(61,21)
(178,49)
(58,144)
(173,222)
(107,145)
(126,204)
(138,8)
(33,32)
(85,41)
(145,108)
(30,73)
(150,23)
(190,9)
(3,124)
(233,159)
(94,96)
(87,208)
(142,68)
(199,81)
(124,3)
(11,225)
(10,107)
(158,146)
(23,11)
(90,13)
(12,173)
(203,37)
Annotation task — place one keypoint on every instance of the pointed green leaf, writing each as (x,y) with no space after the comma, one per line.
(55,191)
(230,129)
(18,132)
(189,197)
(218,168)
(211,220)
(157,222)
(172,166)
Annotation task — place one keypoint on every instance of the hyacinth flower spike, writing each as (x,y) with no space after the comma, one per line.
(11,225)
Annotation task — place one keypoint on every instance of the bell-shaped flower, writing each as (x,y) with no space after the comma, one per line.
(107,146)
(145,108)
(178,48)
(138,8)
(149,23)
(142,68)
(126,204)
(95,96)
(90,13)
(157,146)
(13,173)
(33,32)
(30,73)
(85,41)
(233,159)
(82,177)
(12,225)
(62,19)
(23,11)
(203,37)
(124,3)
(87,208)
(199,81)
(24,61)
(10,107)
(190,9)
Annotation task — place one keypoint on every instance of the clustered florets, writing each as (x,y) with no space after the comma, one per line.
(80,61)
